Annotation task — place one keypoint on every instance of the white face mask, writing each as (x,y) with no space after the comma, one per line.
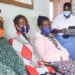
(67,13)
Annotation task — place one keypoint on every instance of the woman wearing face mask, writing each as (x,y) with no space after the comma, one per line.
(60,24)
(10,63)
(21,25)
(46,45)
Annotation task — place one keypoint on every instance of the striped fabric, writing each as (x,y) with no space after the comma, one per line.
(24,49)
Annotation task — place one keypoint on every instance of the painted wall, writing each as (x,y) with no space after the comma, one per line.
(41,7)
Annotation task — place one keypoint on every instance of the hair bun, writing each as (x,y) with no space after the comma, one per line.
(41,19)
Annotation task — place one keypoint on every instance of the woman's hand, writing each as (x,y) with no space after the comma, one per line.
(40,63)
(63,30)
(47,63)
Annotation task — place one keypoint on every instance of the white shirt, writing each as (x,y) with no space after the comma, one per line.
(61,22)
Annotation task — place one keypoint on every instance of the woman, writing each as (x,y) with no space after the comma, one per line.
(21,25)
(47,46)
(10,63)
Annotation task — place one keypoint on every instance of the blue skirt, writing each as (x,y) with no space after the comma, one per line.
(68,43)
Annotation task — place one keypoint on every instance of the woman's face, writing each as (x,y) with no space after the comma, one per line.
(46,27)
(46,24)
(21,22)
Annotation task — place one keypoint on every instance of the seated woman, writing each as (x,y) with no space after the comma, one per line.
(10,63)
(50,50)
(46,45)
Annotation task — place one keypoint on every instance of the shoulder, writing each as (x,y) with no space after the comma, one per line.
(57,19)
(38,37)
(58,16)
(3,41)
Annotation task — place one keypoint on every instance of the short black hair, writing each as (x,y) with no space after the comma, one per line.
(18,17)
(41,19)
(67,4)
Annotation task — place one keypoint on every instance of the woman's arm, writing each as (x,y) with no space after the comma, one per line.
(55,31)
(40,47)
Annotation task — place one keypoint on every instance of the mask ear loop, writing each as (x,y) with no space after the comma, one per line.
(27,28)
(41,29)
(18,28)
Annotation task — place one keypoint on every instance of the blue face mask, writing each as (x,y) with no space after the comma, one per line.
(67,13)
(45,31)
(25,29)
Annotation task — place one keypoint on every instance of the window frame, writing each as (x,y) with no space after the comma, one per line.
(14,2)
